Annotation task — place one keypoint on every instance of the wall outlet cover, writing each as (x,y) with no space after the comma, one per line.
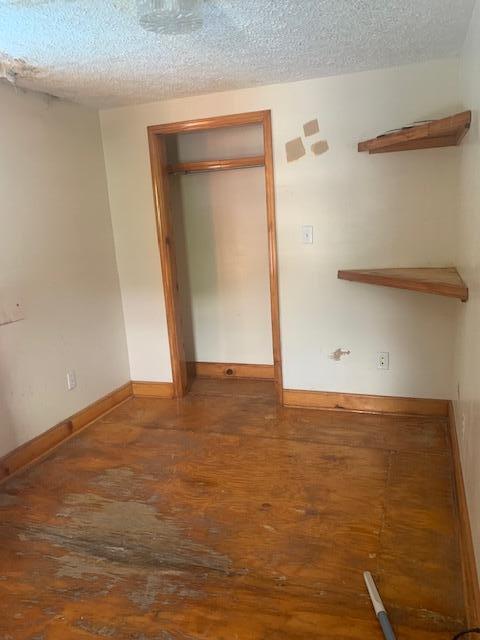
(383,360)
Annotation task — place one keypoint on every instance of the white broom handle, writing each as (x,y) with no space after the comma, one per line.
(378,607)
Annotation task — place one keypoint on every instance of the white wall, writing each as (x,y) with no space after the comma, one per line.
(56,252)
(467,391)
(222,250)
(367,211)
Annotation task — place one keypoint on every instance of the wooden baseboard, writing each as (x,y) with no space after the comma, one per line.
(469,568)
(35,449)
(152,389)
(101,407)
(364,403)
(231,370)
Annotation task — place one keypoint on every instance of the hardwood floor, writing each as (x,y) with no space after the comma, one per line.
(225,517)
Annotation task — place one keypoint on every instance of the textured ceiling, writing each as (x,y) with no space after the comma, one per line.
(95,52)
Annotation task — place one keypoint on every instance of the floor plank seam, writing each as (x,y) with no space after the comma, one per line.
(155,427)
(383,522)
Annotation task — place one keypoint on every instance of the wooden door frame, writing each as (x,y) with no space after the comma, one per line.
(158,162)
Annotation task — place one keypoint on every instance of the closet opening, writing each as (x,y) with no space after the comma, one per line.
(215,211)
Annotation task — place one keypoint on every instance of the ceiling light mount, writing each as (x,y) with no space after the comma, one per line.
(170,17)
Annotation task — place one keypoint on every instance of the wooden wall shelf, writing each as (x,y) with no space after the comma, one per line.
(442,281)
(447,132)
(217,165)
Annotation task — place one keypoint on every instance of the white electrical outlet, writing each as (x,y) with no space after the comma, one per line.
(307,234)
(71,380)
(383,360)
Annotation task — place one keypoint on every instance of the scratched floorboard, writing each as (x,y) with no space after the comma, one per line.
(225,517)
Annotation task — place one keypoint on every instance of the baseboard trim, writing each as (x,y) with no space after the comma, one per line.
(364,403)
(231,370)
(152,389)
(471,588)
(40,446)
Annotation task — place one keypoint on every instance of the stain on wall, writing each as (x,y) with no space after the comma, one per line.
(338,354)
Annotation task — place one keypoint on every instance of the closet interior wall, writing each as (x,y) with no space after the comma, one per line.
(221,244)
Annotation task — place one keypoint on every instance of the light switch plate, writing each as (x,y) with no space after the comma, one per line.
(307,234)
(71,380)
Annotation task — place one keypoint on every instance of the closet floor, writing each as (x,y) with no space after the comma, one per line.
(222,516)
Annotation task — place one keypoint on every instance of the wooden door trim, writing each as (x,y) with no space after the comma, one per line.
(167,260)
(216,122)
(272,253)
(165,239)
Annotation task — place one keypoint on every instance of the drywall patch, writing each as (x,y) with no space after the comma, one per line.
(294,149)
(311,127)
(319,147)
(338,354)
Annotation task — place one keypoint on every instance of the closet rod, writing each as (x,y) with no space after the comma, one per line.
(216,165)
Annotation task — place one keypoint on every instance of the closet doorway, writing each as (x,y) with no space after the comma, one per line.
(208,311)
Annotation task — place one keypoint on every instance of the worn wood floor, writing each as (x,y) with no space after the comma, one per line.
(224,517)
